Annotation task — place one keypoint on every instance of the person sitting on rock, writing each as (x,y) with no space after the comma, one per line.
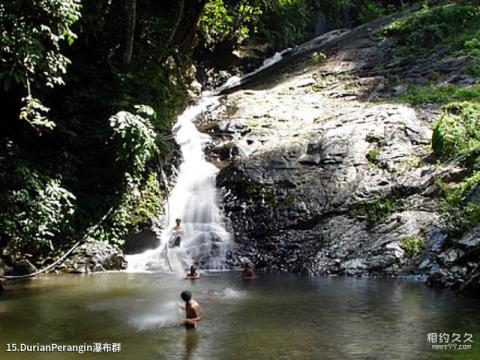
(193,274)
(248,272)
(176,237)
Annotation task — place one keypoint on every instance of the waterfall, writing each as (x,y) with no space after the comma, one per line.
(203,237)
(193,200)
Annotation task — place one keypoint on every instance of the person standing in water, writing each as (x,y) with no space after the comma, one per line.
(192,309)
(248,272)
(176,237)
(193,274)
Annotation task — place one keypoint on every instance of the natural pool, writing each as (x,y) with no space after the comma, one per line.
(271,317)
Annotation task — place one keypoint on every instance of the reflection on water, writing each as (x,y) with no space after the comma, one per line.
(191,342)
(273,317)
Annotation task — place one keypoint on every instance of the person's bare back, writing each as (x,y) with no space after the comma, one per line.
(192,309)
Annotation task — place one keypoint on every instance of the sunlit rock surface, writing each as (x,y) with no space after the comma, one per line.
(318,178)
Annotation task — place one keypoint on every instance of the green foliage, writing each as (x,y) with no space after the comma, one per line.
(452,30)
(31,34)
(228,21)
(145,207)
(413,244)
(458,215)
(318,58)
(104,161)
(285,22)
(446,26)
(472,48)
(264,197)
(376,139)
(459,219)
(136,138)
(376,211)
(38,211)
(373,156)
(371,10)
(440,94)
(138,208)
(457,132)
(34,112)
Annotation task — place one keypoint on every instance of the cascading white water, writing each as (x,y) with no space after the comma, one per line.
(204,239)
(193,200)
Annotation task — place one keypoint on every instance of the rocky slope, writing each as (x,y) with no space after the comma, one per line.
(321,175)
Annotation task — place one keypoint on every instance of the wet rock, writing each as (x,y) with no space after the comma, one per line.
(395,249)
(98,268)
(94,256)
(139,242)
(471,239)
(438,278)
(449,257)
(23,267)
(381,262)
(425,264)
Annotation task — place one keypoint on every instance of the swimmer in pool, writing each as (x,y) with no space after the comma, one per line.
(192,309)
(193,274)
(248,272)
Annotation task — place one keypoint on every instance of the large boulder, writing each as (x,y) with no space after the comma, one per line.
(22,267)
(95,256)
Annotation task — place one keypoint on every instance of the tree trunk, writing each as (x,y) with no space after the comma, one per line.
(131,9)
(181,7)
(188,26)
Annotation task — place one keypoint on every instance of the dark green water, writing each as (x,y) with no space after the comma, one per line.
(272,317)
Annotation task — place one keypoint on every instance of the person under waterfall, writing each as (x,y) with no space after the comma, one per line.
(176,237)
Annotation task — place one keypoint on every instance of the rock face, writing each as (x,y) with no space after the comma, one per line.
(316,178)
(458,266)
(305,172)
(139,242)
(94,256)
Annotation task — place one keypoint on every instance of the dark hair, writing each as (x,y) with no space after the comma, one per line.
(178,220)
(186,295)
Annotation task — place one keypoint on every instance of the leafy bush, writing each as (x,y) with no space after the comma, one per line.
(457,132)
(472,48)
(413,244)
(228,21)
(138,208)
(136,138)
(459,219)
(376,210)
(38,212)
(440,94)
(318,58)
(371,10)
(31,34)
(428,28)
(373,156)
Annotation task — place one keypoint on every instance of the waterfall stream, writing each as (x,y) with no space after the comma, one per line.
(202,238)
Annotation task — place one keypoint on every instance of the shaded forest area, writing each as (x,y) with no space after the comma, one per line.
(91,89)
